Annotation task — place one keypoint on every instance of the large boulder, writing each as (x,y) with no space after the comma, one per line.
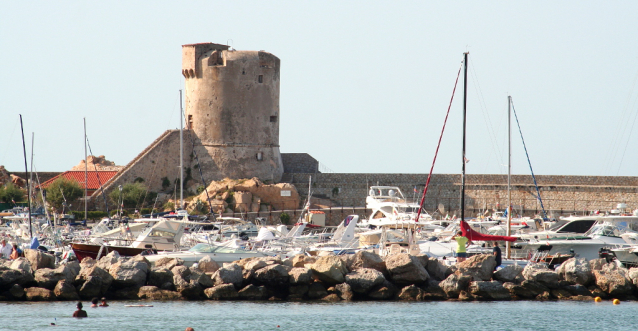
(39,294)
(200,277)
(38,259)
(250,268)
(275,276)
(493,290)
(344,291)
(510,274)
(64,290)
(168,262)
(92,282)
(222,292)
(614,283)
(252,292)
(300,260)
(411,293)
(369,260)
(8,277)
(154,293)
(207,264)
(435,268)
(300,276)
(632,275)
(454,284)
(229,274)
(21,264)
(16,292)
(479,267)
(406,269)
(129,273)
(364,279)
(48,278)
(540,273)
(329,269)
(597,264)
(191,291)
(316,291)
(433,291)
(576,271)
(531,289)
(105,262)
(384,291)
(159,277)
(181,277)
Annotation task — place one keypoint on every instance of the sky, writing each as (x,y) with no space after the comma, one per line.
(365,85)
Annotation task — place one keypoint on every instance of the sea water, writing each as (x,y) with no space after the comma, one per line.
(341,316)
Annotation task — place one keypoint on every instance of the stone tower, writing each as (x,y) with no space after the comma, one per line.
(232,107)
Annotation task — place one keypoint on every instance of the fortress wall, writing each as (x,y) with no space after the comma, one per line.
(560,194)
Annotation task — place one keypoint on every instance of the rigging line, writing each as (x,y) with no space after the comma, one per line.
(9,144)
(201,175)
(627,143)
(99,181)
(528,160)
(486,117)
(436,153)
(611,153)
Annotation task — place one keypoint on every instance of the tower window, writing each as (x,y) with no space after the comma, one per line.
(261,78)
(273,119)
(260,156)
(189,125)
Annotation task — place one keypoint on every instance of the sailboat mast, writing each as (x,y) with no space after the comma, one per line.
(181,153)
(86,175)
(464,122)
(26,176)
(509,174)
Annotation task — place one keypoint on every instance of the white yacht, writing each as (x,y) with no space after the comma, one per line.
(390,207)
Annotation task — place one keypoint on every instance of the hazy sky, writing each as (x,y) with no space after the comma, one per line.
(364,84)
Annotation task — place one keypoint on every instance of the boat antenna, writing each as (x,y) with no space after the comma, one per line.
(26,176)
(464,125)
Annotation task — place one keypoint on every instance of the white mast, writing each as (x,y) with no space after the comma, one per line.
(509,173)
(86,175)
(181,153)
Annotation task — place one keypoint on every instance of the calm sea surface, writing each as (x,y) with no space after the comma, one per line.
(209,315)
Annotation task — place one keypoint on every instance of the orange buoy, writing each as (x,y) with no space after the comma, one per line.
(598,299)
(616,301)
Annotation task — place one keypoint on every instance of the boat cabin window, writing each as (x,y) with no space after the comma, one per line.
(378,214)
(577,226)
(160,233)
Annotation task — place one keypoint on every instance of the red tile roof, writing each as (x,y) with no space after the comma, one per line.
(78,176)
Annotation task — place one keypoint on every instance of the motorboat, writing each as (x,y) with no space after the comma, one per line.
(389,206)
(223,253)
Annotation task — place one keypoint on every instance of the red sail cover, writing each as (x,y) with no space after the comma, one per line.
(477,236)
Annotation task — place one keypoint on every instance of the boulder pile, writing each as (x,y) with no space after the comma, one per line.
(362,276)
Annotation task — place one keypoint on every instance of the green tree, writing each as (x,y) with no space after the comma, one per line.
(62,189)
(10,192)
(284,218)
(133,195)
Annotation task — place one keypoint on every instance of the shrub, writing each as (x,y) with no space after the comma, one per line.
(132,195)
(284,218)
(63,189)
(10,193)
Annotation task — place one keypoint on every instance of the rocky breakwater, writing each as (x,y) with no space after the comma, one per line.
(363,276)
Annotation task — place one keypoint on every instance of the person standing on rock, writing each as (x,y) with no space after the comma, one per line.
(80,312)
(461,249)
(497,254)
(5,249)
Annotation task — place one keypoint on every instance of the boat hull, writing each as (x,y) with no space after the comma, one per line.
(88,250)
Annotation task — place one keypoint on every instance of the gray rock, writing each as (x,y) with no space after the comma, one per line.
(8,277)
(159,276)
(344,291)
(597,264)
(154,293)
(300,260)
(128,293)
(109,259)
(316,290)
(614,283)
(39,259)
(384,291)
(21,264)
(222,292)
(436,269)
(363,280)
(168,263)
(329,269)
(576,271)
(454,284)
(92,282)
(200,277)
(48,278)
(433,291)
(534,287)
(411,293)
(540,273)
(251,267)
(493,290)
(16,292)
(577,289)
(371,260)
(406,269)
(229,274)
(252,292)
(191,291)
(207,264)
(479,267)
(632,275)
(300,276)
(131,273)
(510,274)
(39,294)
(297,292)
(64,290)
(275,276)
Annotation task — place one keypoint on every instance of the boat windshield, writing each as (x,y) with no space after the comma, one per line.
(206,248)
